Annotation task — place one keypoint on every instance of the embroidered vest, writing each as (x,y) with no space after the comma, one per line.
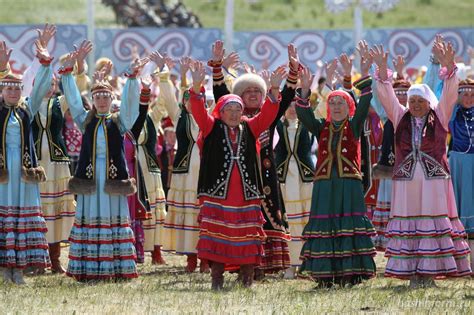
(301,151)
(53,129)
(219,158)
(432,151)
(30,171)
(117,179)
(149,146)
(461,127)
(185,143)
(346,156)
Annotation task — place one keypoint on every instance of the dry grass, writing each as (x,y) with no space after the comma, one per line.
(168,289)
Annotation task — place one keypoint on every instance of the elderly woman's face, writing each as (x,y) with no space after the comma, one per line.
(339,108)
(11,94)
(252,97)
(231,114)
(466,98)
(418,106)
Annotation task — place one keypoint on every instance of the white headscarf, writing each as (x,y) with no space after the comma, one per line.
(425,92)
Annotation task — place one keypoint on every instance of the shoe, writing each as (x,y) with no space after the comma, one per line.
(247,275)
(415,282)
(55,253)
(217,275)
(6,274)
(192,263)
(17,276)
(156,258)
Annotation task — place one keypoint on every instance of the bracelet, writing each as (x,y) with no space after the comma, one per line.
(64,70)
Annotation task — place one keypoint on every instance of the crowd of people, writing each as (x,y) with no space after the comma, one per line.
(250,172)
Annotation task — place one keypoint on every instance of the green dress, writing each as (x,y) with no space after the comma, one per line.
(338,246)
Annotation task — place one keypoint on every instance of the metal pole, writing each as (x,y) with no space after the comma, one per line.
(358,23)
(229,25)
(91,34)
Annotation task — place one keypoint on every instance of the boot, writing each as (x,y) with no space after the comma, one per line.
(156,258)
(192,262)
(259,274)
(247,275)
(428,282)
(54,254)
(17,276)
(204,266)
(217,275)
(6,274)
(471,246)
(415,282)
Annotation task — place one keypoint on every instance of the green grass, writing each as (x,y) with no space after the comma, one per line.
(168,289)
(261,15)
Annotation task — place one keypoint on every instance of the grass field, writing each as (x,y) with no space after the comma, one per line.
(255,14)
(168,289)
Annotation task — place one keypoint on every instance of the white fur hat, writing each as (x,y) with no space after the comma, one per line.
(249,80)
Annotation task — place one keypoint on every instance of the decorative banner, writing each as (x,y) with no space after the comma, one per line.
(253,47)
(21,39)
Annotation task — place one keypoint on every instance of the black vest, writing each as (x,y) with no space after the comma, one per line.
(185,143)
(30,171)
(149,146)
(384,167)
(218,159)
(301,151)
(53,129)
(118,181)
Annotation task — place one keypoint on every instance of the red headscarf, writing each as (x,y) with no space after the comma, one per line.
(346,96)
(225,100)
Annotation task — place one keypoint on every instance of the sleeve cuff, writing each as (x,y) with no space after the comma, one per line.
(389,76)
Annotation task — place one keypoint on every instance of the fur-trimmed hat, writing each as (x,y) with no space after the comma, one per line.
(102,87)
(249,80)
(12,80)
(465,85)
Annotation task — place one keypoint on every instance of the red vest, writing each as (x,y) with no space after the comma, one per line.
(432,151)
(347,155)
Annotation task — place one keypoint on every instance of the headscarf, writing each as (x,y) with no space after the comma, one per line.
(224,101)
(346,96)
(423,91)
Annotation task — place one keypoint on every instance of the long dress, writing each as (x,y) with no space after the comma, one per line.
(102,242)
(231,228)
(57,203)
(296,195)
(461,162)
(22,227)
(181,222)
(424,231)
(338,245)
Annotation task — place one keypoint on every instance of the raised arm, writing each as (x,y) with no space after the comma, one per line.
(445,53)
(198,100)
(385,91)
(219,87)
(43,79)
(143,109)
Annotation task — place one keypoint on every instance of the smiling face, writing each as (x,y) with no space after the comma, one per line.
(418,106)
(102,102)
(231,114)
(11,94)
(339,108)
(466,98)
(252,97)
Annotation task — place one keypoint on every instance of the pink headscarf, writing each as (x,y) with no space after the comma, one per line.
(224,101)
(346,96)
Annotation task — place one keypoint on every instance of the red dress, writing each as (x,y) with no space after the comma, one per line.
(231,229)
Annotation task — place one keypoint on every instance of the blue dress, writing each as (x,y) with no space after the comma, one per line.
(22,227)
(101,238)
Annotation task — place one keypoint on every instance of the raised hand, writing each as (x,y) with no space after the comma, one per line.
(45,35)
(70,60)
(5,54)
(306,78)
(446,55)
(248,68)
(98,76)
(231,60)
(185,64)
(158,59)
(218,51)
(137,65)
(438,42)
(277,77)
(265,74)
(42,52)
(198,73)
(107,68)
(84,50)
(331,71)
(380,58)
(399,65)
(293,57)
(170,63)
(363,49)
(346,64)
